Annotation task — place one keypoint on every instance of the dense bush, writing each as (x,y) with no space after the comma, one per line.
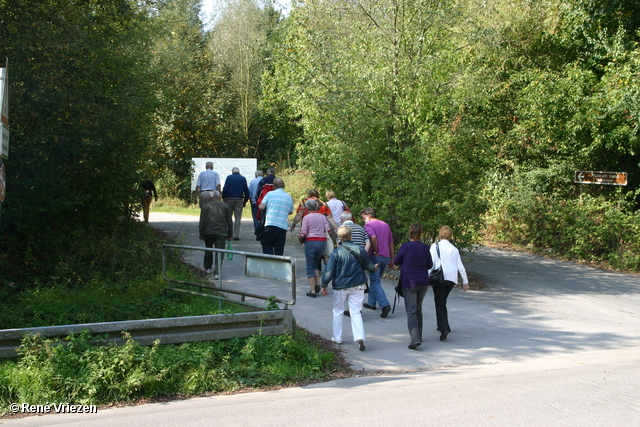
(590,228)
(84,373)
(82,256)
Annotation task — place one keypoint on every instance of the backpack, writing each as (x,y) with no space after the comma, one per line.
(265,189)
(304,209)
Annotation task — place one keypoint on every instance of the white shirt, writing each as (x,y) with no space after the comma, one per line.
(336,207)
(450,261)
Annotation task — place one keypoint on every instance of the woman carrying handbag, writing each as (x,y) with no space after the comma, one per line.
(414,259)
(447,257)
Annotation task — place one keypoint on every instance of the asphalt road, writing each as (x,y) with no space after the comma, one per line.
(550,343)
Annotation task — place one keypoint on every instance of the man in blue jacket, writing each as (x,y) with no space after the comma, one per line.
(236,194)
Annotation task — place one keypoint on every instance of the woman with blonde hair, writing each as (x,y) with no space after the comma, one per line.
(415,261)
(345,270)
(337,206)
(446,255)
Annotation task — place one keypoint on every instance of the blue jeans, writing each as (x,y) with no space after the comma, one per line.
(413,298)
(313,251)
(376,293)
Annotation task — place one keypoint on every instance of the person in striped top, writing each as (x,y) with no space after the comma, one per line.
(359,235)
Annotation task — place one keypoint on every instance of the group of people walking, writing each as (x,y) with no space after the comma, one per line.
(355,249)
(218,205)
(372,249)
(415,259)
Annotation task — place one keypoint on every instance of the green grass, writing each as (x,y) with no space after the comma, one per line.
(175,206)
(117,277)
(83,373)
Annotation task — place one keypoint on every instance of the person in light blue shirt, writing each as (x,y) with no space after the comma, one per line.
(253,193)
(208,182)
(277,206)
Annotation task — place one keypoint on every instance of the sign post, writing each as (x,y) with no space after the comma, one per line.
(4,126)
(223,167)
(600,178)
(4,109)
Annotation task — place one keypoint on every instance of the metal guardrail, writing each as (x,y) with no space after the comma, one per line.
(193,328)
(274,267)
(172,330)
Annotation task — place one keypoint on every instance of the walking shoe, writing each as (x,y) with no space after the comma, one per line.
(385,311)
(346,313)
(361,345)
(443,334)
(334,340)
(208,271)
(370,307)
(414,345)
(215,277)
(309,294)
(236,238)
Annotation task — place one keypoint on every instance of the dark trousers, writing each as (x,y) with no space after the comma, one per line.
(254,212)
(209,241)
(273,240)
(413,298)
(440,294)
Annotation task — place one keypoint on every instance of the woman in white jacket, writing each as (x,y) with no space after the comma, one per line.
(449,258)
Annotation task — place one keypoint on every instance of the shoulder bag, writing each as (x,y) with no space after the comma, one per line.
(436,277)
(328,247)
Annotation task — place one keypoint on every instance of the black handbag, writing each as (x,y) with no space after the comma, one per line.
(436,277)
(399,294)
(399,286)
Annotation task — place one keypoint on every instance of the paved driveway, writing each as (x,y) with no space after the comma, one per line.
(535,306)
(551,343)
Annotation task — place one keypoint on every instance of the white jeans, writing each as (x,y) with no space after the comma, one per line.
(354,299)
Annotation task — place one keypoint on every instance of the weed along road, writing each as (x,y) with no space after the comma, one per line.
(549,343)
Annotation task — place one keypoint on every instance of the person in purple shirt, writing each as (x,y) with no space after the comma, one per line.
(414,259)
(381,252)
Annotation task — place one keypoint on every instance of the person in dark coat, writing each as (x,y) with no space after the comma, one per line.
(149,193)
(215,226)
(235,193)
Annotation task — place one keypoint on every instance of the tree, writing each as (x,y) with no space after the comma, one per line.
(375,84)
(238,43)
(193,104)
(79,109)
